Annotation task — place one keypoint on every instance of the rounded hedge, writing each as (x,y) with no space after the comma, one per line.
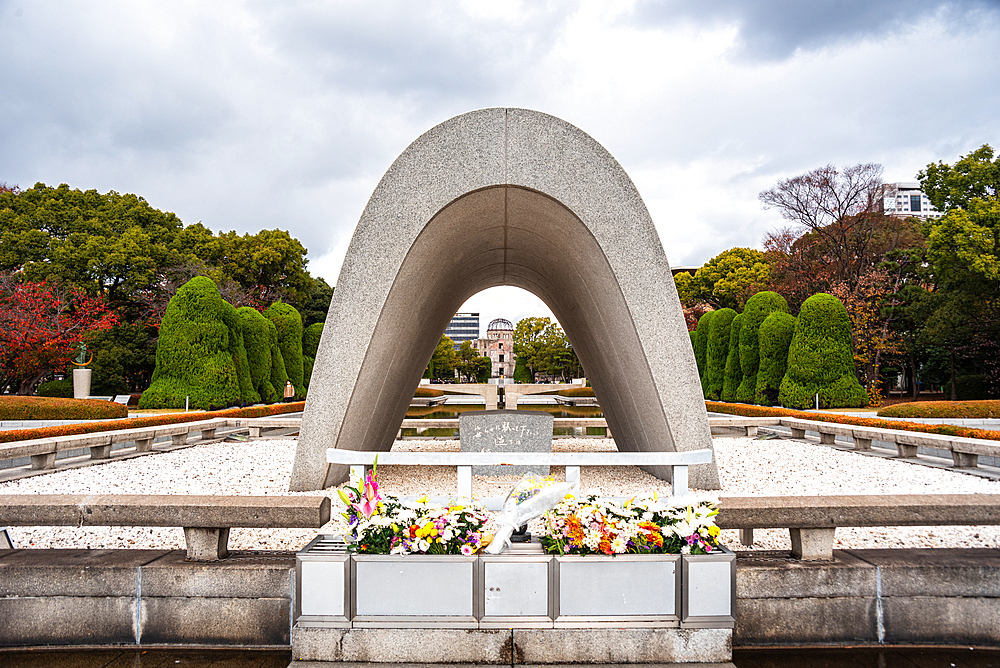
(195,354)
(700,343)
(734,374)
(257,333)
(775,336)
(755,312)
(56,388)
(310,339)
(288,324)
(278,374)
(820,358)
(717,352)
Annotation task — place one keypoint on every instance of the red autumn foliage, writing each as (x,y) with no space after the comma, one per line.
(40,325)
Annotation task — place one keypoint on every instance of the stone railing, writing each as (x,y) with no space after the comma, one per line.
(812,521)
(206,519)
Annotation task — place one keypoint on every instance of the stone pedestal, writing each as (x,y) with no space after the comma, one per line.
(81,383)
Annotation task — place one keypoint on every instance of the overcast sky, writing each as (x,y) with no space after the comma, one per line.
(261,115)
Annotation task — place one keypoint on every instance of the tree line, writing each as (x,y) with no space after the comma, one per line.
(100,268)
(922,296)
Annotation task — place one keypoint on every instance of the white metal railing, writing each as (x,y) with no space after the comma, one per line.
(464,461)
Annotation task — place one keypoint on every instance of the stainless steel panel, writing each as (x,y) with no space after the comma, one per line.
(516,589)
(622,586)
(324,585)
(708,589)
(421,586)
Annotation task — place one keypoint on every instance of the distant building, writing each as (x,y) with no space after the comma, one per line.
(463,327)
(908,201)
(499,347)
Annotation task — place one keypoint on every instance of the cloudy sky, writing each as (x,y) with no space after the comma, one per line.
(254,115)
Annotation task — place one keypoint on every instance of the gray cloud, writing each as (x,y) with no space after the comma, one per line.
(774,29)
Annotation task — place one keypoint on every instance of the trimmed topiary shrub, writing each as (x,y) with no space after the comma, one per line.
(755,312)
(248,394)
(717,352)
(700,343)
(278,374)
(521,372)
(288,325)
(310,346)
(56,388)
(310,339)
(257,334)
(775,336)
(194,356)
(820,358)
(734,374)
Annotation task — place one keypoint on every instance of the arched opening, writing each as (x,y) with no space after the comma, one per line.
(503,197)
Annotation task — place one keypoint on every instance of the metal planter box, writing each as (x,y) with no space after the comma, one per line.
(415,591)
(626,590)
(708,590)
(322,583)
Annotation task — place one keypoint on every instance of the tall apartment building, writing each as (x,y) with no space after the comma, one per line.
(909,201)
(463,327)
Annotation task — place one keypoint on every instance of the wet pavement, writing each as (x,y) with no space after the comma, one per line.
(956,657)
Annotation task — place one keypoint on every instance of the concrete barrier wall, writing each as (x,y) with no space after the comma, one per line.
(154,597)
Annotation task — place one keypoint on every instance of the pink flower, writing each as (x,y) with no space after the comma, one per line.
(370,497)
(467,550)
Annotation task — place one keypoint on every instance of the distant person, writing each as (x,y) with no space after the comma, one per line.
(289,391)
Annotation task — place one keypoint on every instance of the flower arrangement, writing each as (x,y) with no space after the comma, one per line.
(380,523)
(642,525)
(531,497)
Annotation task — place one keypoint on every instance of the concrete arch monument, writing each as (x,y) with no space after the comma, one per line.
(503,197)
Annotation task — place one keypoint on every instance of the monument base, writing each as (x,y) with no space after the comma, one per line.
(512,646)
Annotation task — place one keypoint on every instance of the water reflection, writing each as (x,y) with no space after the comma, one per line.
(453,411)
(850,657)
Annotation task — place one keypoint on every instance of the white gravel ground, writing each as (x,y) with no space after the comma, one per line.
(748,468)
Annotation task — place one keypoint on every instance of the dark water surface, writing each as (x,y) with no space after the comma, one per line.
(959,657)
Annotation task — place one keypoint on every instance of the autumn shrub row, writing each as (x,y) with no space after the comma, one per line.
(577,392)
(50,408)
(746,410)
(13,435)
(944,409)
(428,392)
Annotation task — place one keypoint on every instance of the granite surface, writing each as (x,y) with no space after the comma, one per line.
(503,197)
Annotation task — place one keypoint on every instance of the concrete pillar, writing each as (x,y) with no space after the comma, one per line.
(100,451)
(812,544)
(43,461)
(862,443)
(144,444)
(205,544)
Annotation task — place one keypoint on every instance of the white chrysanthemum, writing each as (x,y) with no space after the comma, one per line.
(618,545)
(592,540)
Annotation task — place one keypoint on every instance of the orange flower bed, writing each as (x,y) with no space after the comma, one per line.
(746,410)
(987,408)
(54,408)
(149,421)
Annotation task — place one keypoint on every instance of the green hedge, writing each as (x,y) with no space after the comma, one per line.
(56,388)
(717,352)
(257,334)
(310,339)
(820,358)
(700,343)
(13,435)
(288,325)
(57,408)
(944,409)
(199,352)
(734,374)
(775,337)
(757,309)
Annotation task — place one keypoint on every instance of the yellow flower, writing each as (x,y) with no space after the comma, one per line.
(714,531)
(422,499)
(395,529)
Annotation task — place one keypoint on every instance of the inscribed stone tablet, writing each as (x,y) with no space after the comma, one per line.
(506,431)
